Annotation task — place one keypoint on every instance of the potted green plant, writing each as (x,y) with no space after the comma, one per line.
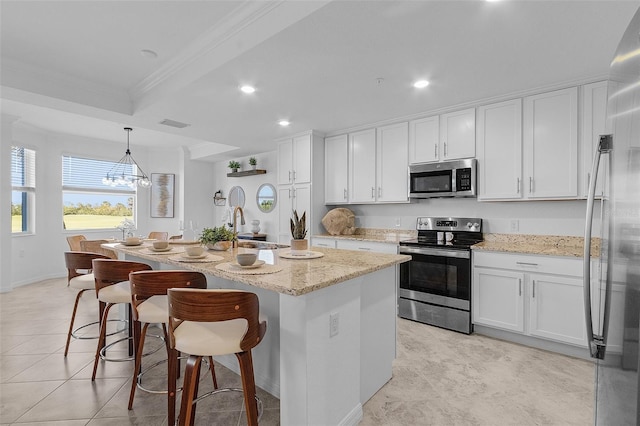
(217,238)
(234,166)
(298,224)
(253,162)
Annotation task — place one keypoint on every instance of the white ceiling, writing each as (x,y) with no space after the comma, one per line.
(75,66)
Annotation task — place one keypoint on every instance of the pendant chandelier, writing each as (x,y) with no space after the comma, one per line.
(122,173)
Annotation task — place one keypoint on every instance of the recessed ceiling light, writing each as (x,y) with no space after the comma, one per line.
(283,123)
(420,84)
(248,89)
(150,54)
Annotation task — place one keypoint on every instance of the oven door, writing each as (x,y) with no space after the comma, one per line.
(438,276)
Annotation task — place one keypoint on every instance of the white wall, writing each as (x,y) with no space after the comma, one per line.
(250,185)
(39,256)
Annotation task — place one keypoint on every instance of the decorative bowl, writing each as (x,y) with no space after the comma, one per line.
(246,259)
(194,250)
(219,246)
(160,244)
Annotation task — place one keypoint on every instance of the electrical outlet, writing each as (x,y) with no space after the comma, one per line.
(397,222)
(515,225)
(333,324)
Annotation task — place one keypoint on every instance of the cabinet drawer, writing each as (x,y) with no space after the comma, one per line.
(529,263)
(323,242)
(367,246)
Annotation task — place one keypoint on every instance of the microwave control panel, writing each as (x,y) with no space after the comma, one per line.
(463,179)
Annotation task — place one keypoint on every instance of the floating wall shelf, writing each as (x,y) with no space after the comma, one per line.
(247,173)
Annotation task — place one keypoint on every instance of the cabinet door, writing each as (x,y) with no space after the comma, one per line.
(557,309)
(336,162)
(424,140)
(362,170)
(499,138)
(497,298)
(302,202)
(551,144)
(458,134)
(302,159)
(594,111)
(285,207)
(285,161)
(392,165)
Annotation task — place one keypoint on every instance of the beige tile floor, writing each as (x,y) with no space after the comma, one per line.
(439,378)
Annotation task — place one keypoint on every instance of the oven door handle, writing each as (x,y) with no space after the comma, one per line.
(429,251)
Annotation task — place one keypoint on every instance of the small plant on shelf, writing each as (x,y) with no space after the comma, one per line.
(234,165)
(253,162)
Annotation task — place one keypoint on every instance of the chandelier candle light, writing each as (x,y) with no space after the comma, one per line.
(121,174)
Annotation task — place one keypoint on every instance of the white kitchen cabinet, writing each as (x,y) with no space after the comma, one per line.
(392,145)
(538,296)
(362,166)
(336,169)
(371,246)
(294,159)
(497,299)
(499,149)
(292,197)
(424,140)
(556,309)
(550,138)
(593,114)
(458,134)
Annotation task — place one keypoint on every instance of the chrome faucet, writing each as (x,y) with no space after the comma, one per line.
(235,216)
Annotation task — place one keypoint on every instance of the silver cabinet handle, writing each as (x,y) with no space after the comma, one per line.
(373,192)
(289,192)
(530,184)
(526,264)
(533,289)
(445,150)
(597,343)
(517,185)
(364,248)
(379,191)
(289,175)
(294,192)
(519,286)
(435,151)
(345,193)
(294,175)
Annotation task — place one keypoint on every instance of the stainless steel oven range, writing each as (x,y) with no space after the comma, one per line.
(435,285)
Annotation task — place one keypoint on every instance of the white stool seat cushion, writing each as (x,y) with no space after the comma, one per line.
(83,282)
(154,310)
(210,338)
(116,293)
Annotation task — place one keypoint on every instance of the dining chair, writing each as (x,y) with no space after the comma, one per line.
(206,323)
(149,305)
(155,235)
(74,242)
(95,246)
(78,263)
(112,287)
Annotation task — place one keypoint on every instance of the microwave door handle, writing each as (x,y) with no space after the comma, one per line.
(596,343)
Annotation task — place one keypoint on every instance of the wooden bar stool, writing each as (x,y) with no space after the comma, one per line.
(79,277)
(206,323)
(156,235)
(112,287)
(149,305)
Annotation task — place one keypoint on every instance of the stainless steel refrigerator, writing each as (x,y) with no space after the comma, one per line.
(612,295)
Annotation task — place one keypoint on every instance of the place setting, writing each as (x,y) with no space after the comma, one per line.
(196,254)
(248,264)
(161,247)
(131,242)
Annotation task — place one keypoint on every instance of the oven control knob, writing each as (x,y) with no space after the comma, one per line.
(476,225)
(469,225)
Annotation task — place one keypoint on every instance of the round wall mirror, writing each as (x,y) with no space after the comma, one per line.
(266,197)
(236,196)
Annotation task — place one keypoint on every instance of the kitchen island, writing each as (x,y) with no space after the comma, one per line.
(331,333)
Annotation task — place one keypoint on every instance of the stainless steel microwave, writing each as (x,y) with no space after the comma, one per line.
(446,179)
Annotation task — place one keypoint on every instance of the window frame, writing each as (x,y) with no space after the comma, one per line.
(28,182)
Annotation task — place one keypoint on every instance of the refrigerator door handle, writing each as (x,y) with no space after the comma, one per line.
(596,342)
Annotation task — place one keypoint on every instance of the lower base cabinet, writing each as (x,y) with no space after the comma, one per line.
(538,296)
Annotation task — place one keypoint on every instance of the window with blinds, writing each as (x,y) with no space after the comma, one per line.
(88,203)
(23,188)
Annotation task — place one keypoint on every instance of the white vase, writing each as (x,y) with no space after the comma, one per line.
(255,226)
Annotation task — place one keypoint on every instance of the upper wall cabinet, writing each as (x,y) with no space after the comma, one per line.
(392,163)
(594,109)
(499,138)
(336,169)
(550,135)
(449,136)
(294,160)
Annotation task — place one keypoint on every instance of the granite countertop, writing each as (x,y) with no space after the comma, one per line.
(376,235)
(550,245)
(298,276)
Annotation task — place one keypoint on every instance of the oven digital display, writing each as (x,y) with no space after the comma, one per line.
(447,223)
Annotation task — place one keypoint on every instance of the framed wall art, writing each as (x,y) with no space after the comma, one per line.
(162,193)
